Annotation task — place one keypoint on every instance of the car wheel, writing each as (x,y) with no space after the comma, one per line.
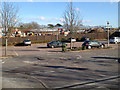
(102,46)
(89,47)
(116,42)
(118,60)
(52,46)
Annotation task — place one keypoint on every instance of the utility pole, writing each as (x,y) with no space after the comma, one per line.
(108,31)
(6,37)
(71,23)
(5,27)
(57,34)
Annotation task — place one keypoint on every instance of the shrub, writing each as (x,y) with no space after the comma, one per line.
(78,39)
(76,49)
(64,39)
(84,48)
(91,38)
(63,48)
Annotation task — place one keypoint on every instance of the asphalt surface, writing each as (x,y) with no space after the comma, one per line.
(39,67)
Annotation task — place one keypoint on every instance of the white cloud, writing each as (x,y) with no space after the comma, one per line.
(86,21)
(50,20)
(30,0)
(77,9)
(37,18)
(60,0)
(62,19)
(42,18)
(114,1)
(15,20)
(59,19)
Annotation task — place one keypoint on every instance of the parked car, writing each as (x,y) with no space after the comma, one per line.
(73,40)
(27,42)
(89,44)
(54,44)
(115,40)
(84,38)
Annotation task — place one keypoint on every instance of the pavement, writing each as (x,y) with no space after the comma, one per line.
(39,67)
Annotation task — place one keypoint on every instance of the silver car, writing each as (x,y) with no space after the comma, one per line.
(54,44)
(89,44)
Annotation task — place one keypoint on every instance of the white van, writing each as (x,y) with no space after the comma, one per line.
(115,40)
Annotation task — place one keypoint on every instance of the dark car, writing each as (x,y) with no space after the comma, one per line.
(27,42)
(73,39)
(89,44)
(53,44)
(84,38)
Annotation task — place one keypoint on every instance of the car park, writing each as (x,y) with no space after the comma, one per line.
(54,44)
(27,42)
(115,40)
(90,44)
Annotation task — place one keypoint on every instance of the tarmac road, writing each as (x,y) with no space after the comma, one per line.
(40,67)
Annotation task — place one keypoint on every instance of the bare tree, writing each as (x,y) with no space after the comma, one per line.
(72,20)
(31,25)
(8,18)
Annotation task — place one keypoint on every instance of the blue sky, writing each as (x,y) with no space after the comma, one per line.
(92,13)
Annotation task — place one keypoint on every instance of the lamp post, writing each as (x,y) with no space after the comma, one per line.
(108,31)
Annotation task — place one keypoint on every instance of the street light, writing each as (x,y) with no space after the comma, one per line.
(108,31)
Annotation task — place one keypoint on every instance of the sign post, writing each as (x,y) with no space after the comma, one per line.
(108,31)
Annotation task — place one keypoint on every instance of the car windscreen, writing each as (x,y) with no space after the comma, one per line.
(51,42)
(26,40)
(94,42)
(86,41)
(117,38)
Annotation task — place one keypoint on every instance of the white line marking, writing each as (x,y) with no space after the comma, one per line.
(15,52)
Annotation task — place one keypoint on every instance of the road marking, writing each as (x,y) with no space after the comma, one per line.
(15,52)
(3,62)
(30,62)
(79,56)
(90,82)
(43,84)
(49,71)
